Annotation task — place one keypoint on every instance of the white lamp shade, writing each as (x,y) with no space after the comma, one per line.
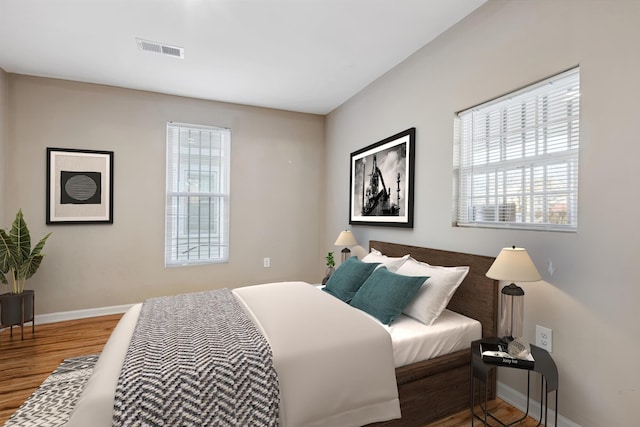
(346,238)
(514,265)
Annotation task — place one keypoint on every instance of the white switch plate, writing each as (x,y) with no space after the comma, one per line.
(267,262)
(544,338)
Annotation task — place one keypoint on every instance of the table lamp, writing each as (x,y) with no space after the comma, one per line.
(345,239)
(513,265)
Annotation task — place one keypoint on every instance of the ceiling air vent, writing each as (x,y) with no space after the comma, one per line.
(149,46)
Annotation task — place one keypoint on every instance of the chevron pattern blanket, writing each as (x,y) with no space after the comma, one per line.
(197,360)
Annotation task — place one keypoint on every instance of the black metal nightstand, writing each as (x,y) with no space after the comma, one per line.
(544,365)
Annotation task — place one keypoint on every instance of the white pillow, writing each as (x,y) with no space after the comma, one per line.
(434,295)
(392,264)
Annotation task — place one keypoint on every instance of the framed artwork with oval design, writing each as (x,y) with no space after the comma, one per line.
(79,186)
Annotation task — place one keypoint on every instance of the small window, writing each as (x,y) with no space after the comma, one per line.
(516,162)
(197,215)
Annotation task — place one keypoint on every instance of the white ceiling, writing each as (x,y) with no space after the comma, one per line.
(299,55)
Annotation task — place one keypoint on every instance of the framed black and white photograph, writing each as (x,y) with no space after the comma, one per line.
(79,186)
(382,182)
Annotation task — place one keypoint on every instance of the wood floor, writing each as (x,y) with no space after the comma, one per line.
(25,364)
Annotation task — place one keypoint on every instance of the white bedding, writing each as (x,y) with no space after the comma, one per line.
(320,385)
(334,364)
(413,341)
(302,387)
(95,405)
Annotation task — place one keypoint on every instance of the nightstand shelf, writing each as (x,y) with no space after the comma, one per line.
(544,365)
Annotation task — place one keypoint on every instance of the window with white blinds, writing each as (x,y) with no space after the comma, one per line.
(517,158)
(197,212)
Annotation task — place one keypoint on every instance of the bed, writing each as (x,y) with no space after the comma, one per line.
(425,391)
(438,387)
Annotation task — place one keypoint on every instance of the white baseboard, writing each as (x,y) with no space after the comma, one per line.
(519,400)
(80,314)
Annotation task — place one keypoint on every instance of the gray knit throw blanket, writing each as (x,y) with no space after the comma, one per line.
(197,360)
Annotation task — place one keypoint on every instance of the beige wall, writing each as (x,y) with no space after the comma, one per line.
(276,199)
(590,302)
(4,131)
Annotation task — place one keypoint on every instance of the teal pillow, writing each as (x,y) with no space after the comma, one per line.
(385,294)
(347,279)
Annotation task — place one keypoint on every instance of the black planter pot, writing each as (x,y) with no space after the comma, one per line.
(327,274)
(11,308)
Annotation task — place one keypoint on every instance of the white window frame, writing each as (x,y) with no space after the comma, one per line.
(197,194)
(516,158)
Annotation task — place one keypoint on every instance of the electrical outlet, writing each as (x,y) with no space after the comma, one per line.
(267,262)
(544,337)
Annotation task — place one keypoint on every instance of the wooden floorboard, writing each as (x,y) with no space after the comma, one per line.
(25,364)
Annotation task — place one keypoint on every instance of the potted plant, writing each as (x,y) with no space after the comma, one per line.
(18,263)
(330,267)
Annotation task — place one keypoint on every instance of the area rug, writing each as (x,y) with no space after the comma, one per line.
(51,404)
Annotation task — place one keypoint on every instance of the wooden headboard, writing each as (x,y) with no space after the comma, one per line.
(477,296)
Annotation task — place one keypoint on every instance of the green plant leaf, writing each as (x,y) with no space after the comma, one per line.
(38,248)
(16,256)
(30,266)
(9,253)
(330,261)
(20,236)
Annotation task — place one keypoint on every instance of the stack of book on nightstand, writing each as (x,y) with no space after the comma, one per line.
(497,353)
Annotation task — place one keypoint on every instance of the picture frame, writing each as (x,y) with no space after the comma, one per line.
(381,182)
(79,186)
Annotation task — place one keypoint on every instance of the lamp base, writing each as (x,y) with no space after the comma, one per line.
(511,312)
(346,253)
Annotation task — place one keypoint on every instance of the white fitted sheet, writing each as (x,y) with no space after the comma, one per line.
(413,341)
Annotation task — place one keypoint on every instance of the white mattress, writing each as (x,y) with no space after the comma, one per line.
(414,341)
